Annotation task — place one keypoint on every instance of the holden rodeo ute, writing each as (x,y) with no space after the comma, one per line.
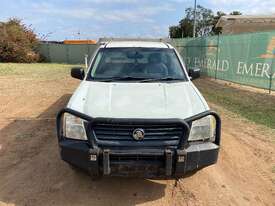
(137,113)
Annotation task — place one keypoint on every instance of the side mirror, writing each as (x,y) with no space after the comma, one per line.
(194,73)
(78,73)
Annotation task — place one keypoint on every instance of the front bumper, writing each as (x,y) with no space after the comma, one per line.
(139,161)
(142,163)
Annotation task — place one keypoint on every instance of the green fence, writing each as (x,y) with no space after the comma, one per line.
(244,58)
(65,53)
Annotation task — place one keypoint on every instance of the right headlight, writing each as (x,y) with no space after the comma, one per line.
(203,129)
(73,127)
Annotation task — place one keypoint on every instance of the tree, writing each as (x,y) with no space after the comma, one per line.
(235,13)
(17,42)
(215,20)
(186,26)
(205,23)
(175,32)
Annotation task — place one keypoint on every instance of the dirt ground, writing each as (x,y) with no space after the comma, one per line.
(31,172)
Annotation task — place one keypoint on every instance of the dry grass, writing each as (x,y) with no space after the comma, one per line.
(254,106)
(41,71)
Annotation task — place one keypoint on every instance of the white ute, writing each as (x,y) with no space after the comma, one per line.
(137,113)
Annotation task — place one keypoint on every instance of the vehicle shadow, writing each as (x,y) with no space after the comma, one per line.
(32,172)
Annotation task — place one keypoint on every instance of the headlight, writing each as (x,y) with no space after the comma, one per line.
(203,129)
(74,127)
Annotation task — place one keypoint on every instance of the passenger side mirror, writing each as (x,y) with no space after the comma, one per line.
(78,73)
(194,73)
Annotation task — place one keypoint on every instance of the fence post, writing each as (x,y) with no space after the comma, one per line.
(48,50)
(88,49)
(67,53)
(86,61)
(271,75)
(217,56)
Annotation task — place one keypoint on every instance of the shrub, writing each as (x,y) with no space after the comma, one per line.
(17,42)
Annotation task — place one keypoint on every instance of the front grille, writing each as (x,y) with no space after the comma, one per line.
(124,132)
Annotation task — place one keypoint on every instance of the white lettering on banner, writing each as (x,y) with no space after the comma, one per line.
(187,60)
(248,69)
(257,69)
(266,70)
(208,63)
(225,65)
(211,64)
(239,68)
(254,70)
(197,62)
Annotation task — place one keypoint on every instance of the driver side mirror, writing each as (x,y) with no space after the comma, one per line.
(194,73)
(78,73)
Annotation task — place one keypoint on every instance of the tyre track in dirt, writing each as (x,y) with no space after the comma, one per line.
(31,172)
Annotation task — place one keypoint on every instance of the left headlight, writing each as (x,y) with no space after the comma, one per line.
(73,127)
(203,129)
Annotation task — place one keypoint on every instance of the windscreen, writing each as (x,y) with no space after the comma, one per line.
(143,63)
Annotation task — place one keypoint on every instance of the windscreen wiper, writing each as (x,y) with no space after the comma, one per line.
(162,79)
(123,78)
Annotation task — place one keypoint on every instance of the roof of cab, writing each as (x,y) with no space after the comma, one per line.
(141,44)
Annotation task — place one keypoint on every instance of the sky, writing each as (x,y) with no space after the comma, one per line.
(91,19)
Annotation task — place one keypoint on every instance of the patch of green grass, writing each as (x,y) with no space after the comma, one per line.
(256,107)
(37,70)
